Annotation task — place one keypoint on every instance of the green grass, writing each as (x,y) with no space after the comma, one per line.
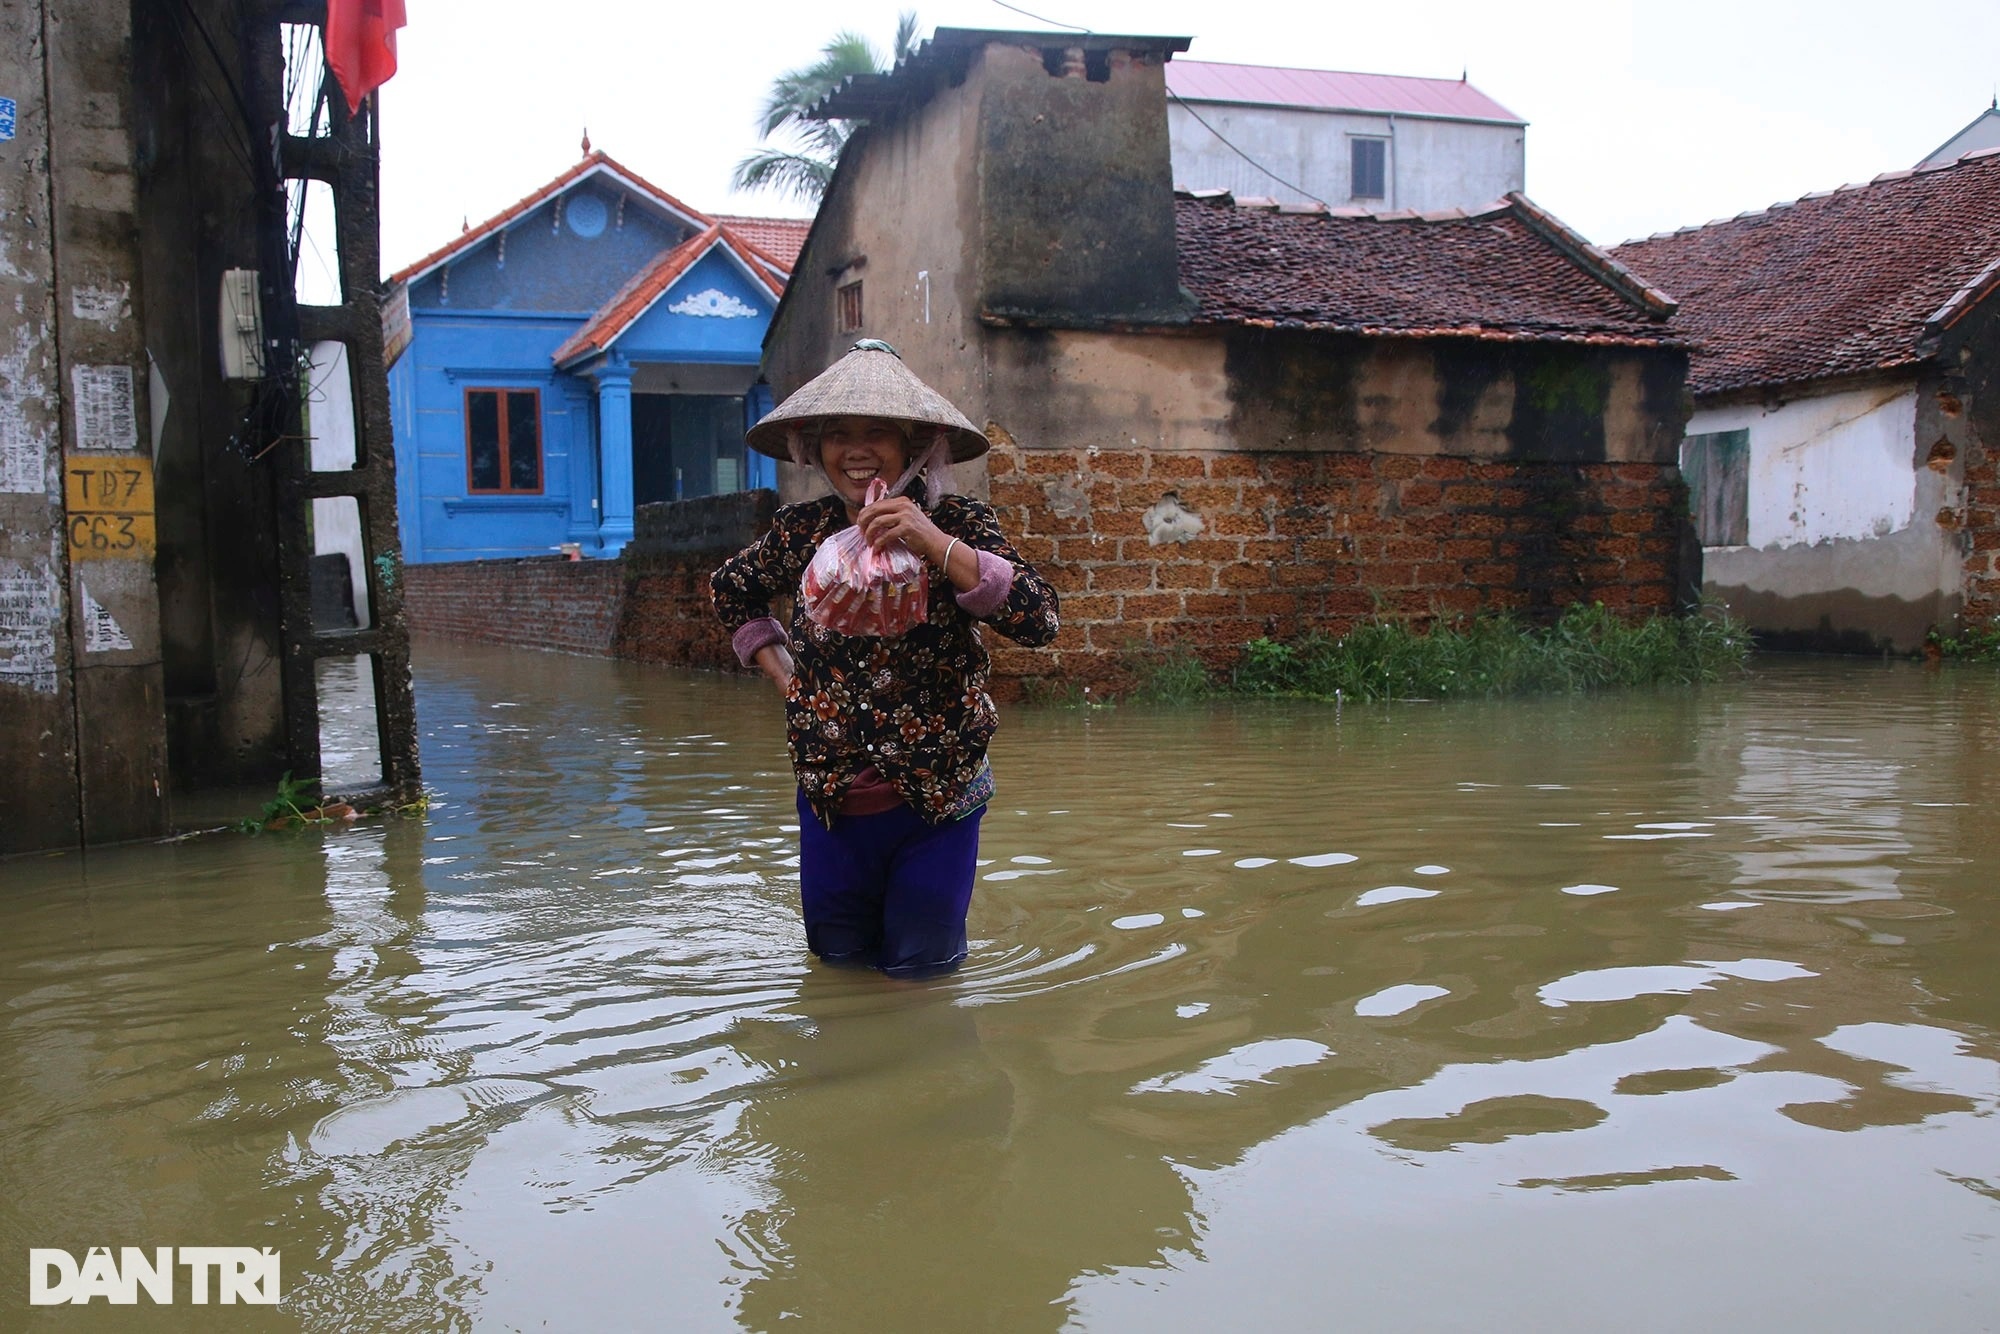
(1587,649)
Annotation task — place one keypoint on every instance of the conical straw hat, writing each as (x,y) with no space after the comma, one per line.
(870,381)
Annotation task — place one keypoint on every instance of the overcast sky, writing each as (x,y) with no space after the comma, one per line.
(1642,116)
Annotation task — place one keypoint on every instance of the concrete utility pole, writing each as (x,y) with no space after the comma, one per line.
(156,637)
(82,726)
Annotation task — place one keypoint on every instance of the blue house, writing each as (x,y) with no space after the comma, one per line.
(588,350)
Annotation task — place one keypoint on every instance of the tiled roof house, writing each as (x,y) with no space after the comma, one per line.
(1217,417)
(1844,355)
(590,348)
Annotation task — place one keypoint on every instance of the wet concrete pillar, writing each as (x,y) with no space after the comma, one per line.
(614,433)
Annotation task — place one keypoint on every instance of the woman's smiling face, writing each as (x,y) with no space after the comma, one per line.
(854,451)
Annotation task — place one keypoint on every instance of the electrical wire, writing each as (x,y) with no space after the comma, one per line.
(1239,152)
(1053,23)
(232,137)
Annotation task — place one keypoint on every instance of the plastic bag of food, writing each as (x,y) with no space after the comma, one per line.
(856,590)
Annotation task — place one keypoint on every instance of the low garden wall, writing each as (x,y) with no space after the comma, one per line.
(650,605)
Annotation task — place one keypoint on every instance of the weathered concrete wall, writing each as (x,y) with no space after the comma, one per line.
(1314,393)
(1853,520)
(1432,164)
(1076,199)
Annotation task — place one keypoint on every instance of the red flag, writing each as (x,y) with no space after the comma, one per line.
(361,44)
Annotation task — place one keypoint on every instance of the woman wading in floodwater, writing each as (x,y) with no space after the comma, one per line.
(887,734)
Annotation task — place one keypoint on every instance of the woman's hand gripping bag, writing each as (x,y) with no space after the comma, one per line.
(853,589)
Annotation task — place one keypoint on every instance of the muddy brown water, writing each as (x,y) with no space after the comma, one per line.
(1647,1012)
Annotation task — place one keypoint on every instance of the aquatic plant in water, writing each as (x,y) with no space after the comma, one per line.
(1975,643)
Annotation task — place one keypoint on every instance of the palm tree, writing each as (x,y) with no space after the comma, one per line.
(804,169)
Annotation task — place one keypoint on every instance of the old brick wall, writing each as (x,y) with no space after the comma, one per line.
(1298,543)
(542,602)
(650,605)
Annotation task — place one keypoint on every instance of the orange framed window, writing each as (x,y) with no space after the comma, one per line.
(503,442)
(847,305)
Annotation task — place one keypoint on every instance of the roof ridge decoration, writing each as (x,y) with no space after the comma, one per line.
(597,162)
(653,281)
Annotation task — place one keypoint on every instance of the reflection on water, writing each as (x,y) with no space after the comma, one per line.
(1577,1013)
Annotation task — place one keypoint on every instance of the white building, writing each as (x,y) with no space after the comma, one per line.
(1983,131)
(1846,376)
(1378,141)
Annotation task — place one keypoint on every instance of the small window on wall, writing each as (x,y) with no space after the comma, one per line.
(1716,465)
(1369,164)
(503,441)
(847,304)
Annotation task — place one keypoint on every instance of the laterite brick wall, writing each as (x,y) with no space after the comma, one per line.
(1293,543)
(1982,560)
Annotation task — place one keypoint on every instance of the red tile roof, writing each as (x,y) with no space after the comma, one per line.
(592,164)
(780,238)
(1333,90)
(651,283)
(1508,272)
(1849,281)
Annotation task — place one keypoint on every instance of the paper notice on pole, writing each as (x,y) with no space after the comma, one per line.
(100,633)
(104,408)
(27,632)
(23,457)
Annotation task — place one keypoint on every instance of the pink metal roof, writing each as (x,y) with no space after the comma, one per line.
(1333,90)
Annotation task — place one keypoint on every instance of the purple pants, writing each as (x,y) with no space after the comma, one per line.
(887,890)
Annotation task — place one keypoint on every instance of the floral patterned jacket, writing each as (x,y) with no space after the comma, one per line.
(915,707)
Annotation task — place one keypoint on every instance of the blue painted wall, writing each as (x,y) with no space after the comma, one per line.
(448,354)
(495,324)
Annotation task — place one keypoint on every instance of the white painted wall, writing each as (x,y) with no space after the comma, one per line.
(1432,164)
(1849,521)
(1837,466)
(330,417)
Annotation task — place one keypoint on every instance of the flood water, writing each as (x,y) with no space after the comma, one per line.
(1649,1012)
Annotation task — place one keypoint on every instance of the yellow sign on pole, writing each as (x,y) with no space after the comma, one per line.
(109,499)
